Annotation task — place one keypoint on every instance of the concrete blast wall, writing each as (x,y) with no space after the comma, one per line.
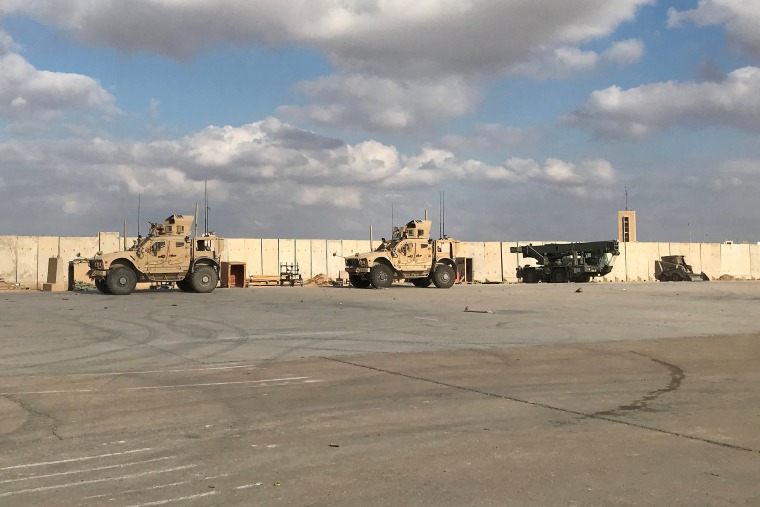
(24,259)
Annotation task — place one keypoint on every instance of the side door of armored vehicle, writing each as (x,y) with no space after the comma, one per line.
(154,255)
(177,255)
(414,255)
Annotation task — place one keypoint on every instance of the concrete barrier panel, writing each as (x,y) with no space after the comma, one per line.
(492,268)
(71,248)
(109,242)
(639,261)
(754,261)
(734,260)
(335,260)
(319,257)
(709,254)
(8,258)
(509,262)
(270,257)
(351,246)
(27,271)
(252,257)
(619,263)
(287,251)
(234,250)
(363,245)
(303,257)
(476,252)
(47,247)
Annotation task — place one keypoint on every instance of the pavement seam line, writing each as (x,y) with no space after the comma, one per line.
(549,407)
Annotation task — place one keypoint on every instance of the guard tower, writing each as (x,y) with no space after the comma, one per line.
(627,226)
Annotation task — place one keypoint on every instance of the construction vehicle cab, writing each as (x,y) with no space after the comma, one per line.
(673,268)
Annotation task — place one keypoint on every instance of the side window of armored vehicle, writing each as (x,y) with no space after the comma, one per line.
(157,246)
(168,229)
(424,245)
(180,244)
(180,229)
(420,233)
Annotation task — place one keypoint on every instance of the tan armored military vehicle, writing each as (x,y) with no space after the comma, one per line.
(410,255)
(167,254)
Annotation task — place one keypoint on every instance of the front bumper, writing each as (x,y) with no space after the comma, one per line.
(97,273)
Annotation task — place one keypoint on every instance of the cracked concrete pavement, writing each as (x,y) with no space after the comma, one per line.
(624,394)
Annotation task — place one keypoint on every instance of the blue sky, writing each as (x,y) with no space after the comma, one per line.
(308,119)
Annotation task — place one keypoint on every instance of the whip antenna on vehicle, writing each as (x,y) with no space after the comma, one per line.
(391,219)
(138,215)
(206,208)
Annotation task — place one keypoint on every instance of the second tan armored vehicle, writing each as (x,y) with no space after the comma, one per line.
(410,255)
(167,254)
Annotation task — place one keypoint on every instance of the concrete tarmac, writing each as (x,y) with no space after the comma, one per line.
(622,394)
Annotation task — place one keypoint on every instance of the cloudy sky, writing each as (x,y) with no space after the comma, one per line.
(316,118)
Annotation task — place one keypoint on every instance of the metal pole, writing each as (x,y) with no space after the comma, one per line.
(370,239)
(125,234)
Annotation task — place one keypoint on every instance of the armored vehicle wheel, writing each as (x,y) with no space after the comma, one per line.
(530,276)
(204,279)
(559,276)
(380,276)
(421,282)
(663,277)
(358,282)
(101,285)
(584,278)
(676,276)
(184,285)
(121,280)
(443,276)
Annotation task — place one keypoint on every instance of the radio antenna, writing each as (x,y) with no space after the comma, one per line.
(138,215)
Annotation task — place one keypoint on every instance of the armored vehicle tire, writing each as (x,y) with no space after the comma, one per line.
(121,280)
(358,282)
(381,276)
(530,276)
(101,285)
(676,276)
(443,276)
(663,277)
(204,279)
(559,276)
(584,278)
(184,285)
(421,282)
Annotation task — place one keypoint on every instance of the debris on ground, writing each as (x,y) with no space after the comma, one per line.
(467,309)
(726,277)
(579,290)
(320,280)
(83,286)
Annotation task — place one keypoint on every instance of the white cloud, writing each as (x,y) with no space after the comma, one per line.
(490,137)
(29,94)
(399,65)
(262,168)
(555,63)
(387,38)
(638,112)
(739,17)
(381,104)
(740,174)
(625,52)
